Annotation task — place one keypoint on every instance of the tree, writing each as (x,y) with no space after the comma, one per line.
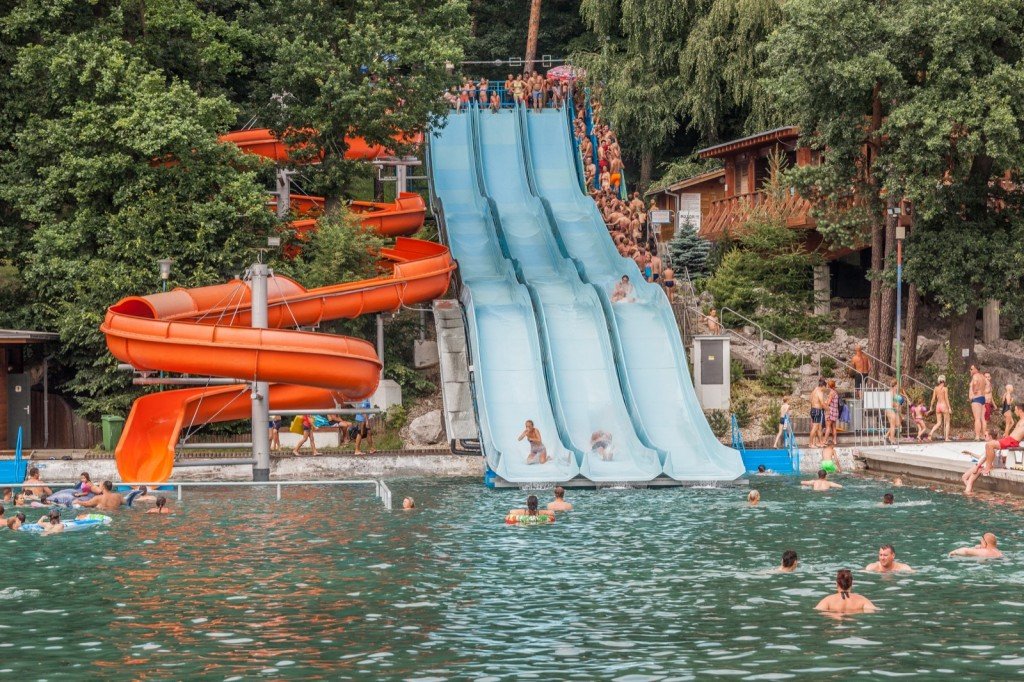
(922,99)
(498,27)
(689,252)
(532,32)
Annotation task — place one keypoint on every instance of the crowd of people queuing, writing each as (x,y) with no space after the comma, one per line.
(533,90)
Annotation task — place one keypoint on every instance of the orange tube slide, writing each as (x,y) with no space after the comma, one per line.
(206,331)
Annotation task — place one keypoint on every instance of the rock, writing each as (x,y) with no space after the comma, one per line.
(840,335)
(809,370)
(939,358)
(427,429)
(748,356)
(926,347)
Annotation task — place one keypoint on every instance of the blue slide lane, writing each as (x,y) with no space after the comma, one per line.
(651,361)
(582,378)
(509,379)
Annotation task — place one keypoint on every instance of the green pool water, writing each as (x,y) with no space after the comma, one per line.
(633,585)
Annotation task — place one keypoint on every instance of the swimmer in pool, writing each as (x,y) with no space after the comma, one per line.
(753,497)
(51,523)
(844,600)
(789,561)
(559,503)
(887,499)
(821,484)
(829,460)
(887,562)
(986,549)
(16,521)
(161,506)
(531,509)
(408,503)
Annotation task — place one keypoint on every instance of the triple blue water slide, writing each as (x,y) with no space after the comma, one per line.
(607,384)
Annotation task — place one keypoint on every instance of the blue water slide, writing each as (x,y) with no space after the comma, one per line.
(653,369)
(579,362)
(507,362)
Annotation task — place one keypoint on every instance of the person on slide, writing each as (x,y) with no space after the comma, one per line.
(844,600)
(107,500)
(984,467)
(538,453)
(821,484)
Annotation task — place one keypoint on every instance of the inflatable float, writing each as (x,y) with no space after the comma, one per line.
(90,521)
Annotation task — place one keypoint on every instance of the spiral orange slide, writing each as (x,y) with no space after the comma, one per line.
(207,331)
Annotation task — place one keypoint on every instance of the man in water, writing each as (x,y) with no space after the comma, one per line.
(753,497)
(986,549)
(107,500)
(40,488)
(888,499)
(16,521)
(984,467)
(817,415)
(161,506)
(829,460)
(977,394)
(821,484)
(789,561)
(887,562)
(559,503)
(408,503)
(2,518)
(51,523)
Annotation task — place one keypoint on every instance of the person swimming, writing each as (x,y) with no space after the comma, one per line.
(985,549)
(408,503)
(16,521)
(789,561)
(51,523)
(753,497)
(161,506)
(829,460)
(844,600)
(888,498)
(531,509)
(887,562)
(559,503)
(821,484)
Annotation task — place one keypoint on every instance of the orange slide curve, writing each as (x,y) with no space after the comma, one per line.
(206,331)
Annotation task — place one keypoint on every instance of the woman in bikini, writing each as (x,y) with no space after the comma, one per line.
(538,453)
(844,600)
(1007,409)
(940,405)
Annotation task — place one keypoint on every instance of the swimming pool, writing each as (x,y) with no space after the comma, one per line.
(634,585)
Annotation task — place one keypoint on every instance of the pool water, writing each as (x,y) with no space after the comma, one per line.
(633,585)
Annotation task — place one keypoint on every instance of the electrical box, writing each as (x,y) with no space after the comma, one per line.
(711,375)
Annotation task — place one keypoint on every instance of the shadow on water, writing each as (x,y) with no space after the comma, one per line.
(634,584)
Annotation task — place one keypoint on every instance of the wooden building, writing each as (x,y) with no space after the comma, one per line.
(689,200)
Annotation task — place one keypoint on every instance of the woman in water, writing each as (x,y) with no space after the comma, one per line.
(844,600)
(161,506)
(538,453)
(531,509)
(940,404)
(1007,410)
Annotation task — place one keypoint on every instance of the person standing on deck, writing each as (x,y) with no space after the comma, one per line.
(977,397)
(818,396)
(940,405)
(861,368)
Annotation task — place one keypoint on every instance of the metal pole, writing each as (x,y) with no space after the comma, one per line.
(260,389)
(284,192)
(401,184)
(380,337)
(899,312)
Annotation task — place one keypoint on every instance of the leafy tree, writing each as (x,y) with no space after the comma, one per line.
(338,251)
(498,27)
(688,251)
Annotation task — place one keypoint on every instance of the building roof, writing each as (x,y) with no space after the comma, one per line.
(26,336)
(749,142)
(690,181)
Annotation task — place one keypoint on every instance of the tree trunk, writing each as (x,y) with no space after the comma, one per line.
(887,316)
(913,319)
(646,170)
(961,336)
(875,299)
(531,35)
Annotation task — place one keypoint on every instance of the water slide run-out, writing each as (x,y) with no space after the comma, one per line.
(207,331)
(535,256)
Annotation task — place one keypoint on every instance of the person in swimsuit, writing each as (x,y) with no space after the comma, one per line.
(307,434)
(1007,409)
(887,562)
(861,367)
(783,420)
(817,415)
(888,499)
(789,561)
(161,507)
(51,523)
(275,431)
(623,292)
(894,413)
(985,549)
(844,600)
(821,484)
(34,485)
(669,283)
(538,453)
(977,393)
(16,521)
(829,460)
(714,326)
(918,412)
(984,467)
(990,401)
(559,503)
(601,445)
(940,404)
(531,509)
(753,498)
(408,503)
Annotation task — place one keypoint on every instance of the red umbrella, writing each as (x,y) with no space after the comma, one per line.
(566,72)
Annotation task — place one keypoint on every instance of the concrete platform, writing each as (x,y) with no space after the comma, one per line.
(939,463)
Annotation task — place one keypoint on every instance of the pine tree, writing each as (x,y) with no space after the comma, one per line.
(688,250)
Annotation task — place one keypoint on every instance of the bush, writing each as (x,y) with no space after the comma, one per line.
(719,422)
(741,408)
(396,417)
(827,366)
(735,372)
(777,377)
(770,422)
(688,251)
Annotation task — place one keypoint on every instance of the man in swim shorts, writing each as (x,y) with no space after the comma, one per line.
(16,521)
(986,549)
(829,460)
(861,367)
(977,394)
(107,500)
(789,561)
(817,415)
(821,484)
(984,467)
(51,523)
(559,503)
(887,562)
(39,488)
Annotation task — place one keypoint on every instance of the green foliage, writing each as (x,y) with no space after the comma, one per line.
(735,371)
(770,421)
(827,366)
(741,408)
(777,377)
(683,168)
(338,251)
(499,31)
(687,251)
(413,383)
(768,278)
(396,417)
(719,422)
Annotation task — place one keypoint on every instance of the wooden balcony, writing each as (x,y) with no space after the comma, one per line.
(728,213)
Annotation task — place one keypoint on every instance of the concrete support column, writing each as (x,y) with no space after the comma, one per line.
(822,290)
(990,322)
(260,392)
